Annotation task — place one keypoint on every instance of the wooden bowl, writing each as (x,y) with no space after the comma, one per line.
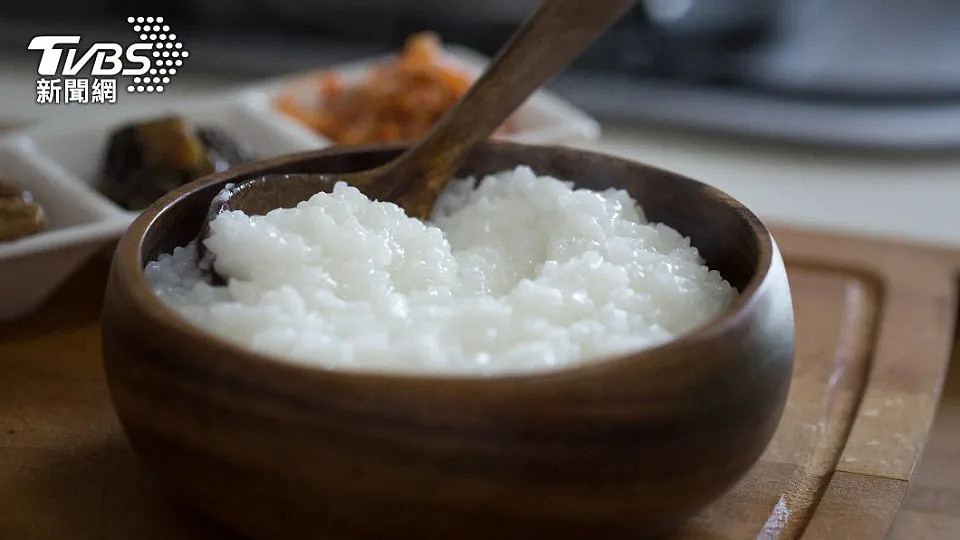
(627,445)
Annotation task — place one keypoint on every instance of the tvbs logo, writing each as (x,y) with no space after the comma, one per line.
(151,63)
(108,58)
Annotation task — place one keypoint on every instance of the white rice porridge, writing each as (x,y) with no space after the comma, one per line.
(522,273)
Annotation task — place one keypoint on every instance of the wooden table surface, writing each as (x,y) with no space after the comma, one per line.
(875,326)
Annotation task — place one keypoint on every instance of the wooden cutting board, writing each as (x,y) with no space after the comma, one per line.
(875,330)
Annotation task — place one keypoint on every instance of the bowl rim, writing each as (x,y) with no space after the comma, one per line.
(127,274)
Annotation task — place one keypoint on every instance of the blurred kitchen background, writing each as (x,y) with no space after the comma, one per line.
(840,114)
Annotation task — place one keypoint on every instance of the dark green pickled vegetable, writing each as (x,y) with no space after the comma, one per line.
(144,161)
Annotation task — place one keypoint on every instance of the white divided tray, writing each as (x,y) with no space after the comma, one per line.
(60,164)
(542,119)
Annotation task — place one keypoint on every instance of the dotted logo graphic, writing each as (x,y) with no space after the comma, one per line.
(166,57)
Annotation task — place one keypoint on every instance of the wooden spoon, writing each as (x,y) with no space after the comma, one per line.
(549,40)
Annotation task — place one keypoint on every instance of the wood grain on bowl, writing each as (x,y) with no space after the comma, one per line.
(67,471)
(635,443)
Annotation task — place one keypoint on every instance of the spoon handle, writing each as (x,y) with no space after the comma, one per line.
(547,42)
